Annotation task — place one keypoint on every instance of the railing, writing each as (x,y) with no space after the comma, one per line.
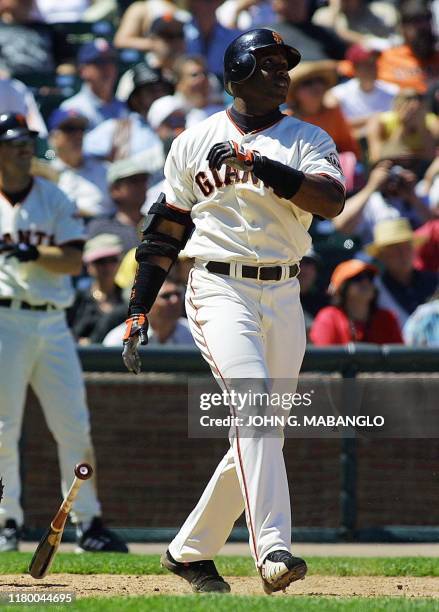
(347,360)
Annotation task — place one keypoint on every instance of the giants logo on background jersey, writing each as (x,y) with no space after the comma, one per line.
(29,237)
(211,180)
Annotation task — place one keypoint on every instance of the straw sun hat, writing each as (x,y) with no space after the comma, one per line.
(392,231)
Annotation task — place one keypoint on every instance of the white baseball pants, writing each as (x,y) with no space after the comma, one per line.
(37,348)
(245,329)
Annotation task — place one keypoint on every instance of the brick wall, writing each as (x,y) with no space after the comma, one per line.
(150,474)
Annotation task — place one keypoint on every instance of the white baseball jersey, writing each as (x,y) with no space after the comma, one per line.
(46,217)
(236,217)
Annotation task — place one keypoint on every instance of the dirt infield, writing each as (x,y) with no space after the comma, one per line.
(105,585)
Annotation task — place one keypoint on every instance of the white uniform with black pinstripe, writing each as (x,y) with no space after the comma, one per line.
(245,328)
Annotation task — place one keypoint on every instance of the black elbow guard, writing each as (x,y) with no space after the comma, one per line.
(284,181)
(161,210)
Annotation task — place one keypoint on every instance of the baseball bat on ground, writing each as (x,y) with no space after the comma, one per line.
(46,549)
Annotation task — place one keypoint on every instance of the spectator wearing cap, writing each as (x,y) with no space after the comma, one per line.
(81,177)
(390,193)
(415,63)
(97,61)
(312,297)
(205,36)
(134,28)
(127,181)
(296,28)
(167,43)
(101,257)
(362,96)
(359,22)
(132,136)
(354,315)
(26,44)
(402,288)
(167,117)
(15,97)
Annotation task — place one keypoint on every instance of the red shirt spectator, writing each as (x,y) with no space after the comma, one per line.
(333,326)
(354,317)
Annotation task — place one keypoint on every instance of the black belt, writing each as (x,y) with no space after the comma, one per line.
(266,273)
(7,303)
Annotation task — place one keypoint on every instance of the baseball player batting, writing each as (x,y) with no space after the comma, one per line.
(41,241)
(248,180)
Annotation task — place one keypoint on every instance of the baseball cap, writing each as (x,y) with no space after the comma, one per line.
(137,76)
(100,246)
(61,117)
(124,168)
(358,54)
(347,270)
(167,26)
(14,125)
(96,51)
(163,108)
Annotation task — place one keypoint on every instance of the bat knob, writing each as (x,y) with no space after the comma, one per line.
(83,471)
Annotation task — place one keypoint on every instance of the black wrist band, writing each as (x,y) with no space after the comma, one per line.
(284,181)
(147,283)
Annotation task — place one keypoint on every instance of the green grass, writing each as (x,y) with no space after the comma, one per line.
(229,603)
(114,563)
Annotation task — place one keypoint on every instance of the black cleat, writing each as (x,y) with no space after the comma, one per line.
(99,539)
(280,569)
(201,575)
(9,536)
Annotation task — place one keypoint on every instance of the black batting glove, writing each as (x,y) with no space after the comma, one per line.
(232,154)
(136,330)
(21,251)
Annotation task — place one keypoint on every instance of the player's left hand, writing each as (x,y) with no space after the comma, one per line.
(232,154)
(136,329)
(21,251)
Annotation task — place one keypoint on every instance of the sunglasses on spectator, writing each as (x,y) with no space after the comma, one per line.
(71,129)
(367,275)
(313,81)
(103,261)
(167,295)
(172,35)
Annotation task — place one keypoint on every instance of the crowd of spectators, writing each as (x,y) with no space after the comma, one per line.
(109,84)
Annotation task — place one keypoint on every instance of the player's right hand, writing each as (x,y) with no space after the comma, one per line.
(136,329)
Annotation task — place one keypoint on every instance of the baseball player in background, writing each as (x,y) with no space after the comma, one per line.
(249,180)
(41,241)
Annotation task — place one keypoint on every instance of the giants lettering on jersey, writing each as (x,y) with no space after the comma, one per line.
(34,237)
(213,179)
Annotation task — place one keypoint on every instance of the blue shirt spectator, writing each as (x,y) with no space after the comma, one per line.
(206,36)
(97,62)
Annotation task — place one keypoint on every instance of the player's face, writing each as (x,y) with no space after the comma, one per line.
(268,87)
(16,155)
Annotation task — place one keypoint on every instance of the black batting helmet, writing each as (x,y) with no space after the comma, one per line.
(14,125)
(239,58)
